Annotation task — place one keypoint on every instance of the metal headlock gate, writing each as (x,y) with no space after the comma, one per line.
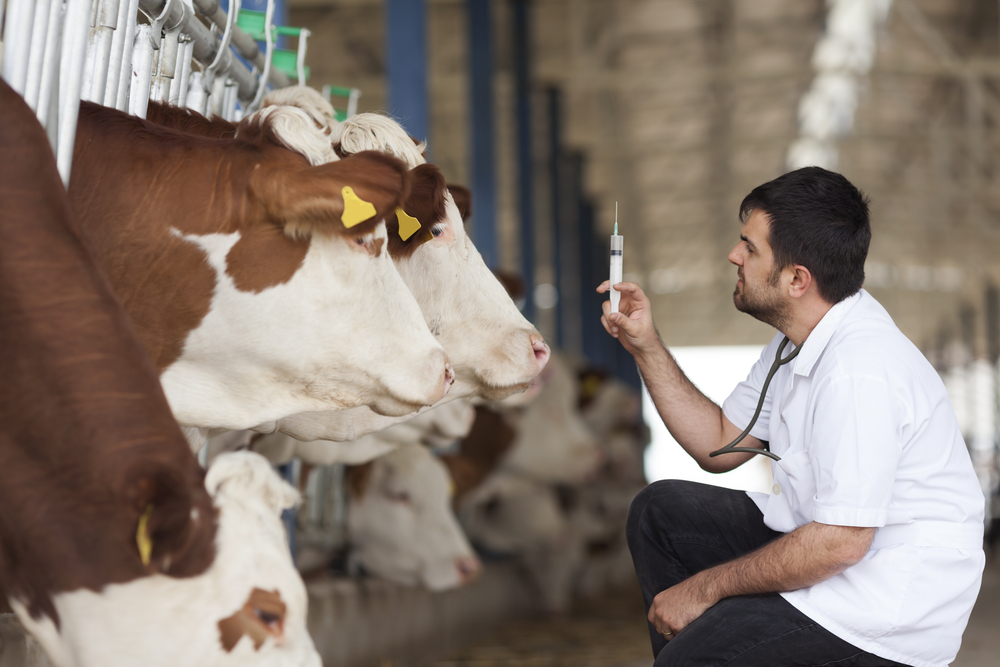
(57,52)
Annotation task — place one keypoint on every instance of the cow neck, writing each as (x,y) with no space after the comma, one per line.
(87,441)
(185,120)
(139,189)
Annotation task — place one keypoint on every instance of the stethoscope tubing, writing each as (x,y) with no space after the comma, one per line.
(731,448)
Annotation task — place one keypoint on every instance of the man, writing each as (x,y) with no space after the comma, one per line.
(868,551)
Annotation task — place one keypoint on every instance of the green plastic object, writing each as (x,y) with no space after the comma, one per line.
(252,23)
(287,61)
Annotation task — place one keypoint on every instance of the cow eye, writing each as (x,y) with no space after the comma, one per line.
(438,229)
(360,240)
(266,617)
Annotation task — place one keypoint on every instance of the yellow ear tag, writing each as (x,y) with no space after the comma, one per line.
(356,209)
(142,536)
(408,225)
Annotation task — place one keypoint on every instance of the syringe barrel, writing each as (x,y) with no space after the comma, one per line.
(617,245)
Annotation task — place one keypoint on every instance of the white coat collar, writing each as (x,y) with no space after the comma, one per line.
(822,333)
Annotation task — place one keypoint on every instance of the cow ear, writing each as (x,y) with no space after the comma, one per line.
(349,197)
(463,200)
(162,508)
(247,475)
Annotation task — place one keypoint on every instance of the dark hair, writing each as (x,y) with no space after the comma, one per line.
(820,220)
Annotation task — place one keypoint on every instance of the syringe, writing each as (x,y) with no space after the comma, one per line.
(616,263)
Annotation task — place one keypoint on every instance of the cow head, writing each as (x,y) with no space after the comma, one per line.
(247,608)
(274,294)
(401,524)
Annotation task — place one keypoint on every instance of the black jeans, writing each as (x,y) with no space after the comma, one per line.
(676,529)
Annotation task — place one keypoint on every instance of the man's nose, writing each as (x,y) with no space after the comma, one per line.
(735,257)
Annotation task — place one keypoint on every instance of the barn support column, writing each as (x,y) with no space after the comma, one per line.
(406,64)
(554,103)
(522,110)
(482,159)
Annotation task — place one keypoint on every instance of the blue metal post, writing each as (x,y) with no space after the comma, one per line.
(406,64)
(522,85)
(555,184)
(483,157)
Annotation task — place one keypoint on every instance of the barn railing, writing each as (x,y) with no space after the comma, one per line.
(57,52)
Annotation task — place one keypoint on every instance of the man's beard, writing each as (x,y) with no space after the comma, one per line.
(763,303)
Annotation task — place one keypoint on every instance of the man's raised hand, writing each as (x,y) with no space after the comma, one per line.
(633,324)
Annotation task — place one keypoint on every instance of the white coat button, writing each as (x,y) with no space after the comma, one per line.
(776,489)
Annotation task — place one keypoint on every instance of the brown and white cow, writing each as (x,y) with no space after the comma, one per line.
(115,549)
(259,284)
(401,525)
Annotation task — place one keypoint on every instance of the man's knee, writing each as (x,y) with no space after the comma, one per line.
(654,504)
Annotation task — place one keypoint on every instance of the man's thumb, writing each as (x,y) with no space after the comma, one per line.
(622,322)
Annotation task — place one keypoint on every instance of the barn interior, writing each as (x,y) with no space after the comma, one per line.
(565,118)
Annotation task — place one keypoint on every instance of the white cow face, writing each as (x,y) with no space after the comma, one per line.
(494,350)
(523,517)
(553,443)
(401,524)
(344,331)
(248,608)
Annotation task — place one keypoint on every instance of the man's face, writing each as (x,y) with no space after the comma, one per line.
(758,285)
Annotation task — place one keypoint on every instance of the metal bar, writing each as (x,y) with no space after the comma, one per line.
(553,100)
(482,156)
(142,71)
(525,177)
(117,51)
(99,50)
(197,96)
(49,79)
(17,43)
(182,77)
(125,74)
(36,54)
(73,52)
(406,64)
(166,68)
(206,44)
(244,44)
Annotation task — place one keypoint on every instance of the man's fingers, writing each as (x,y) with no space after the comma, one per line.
(603,287)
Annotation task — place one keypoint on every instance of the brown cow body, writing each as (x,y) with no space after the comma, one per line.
(115,548)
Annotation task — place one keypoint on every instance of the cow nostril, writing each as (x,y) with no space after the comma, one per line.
(542,352)
(468,568)
(449,376)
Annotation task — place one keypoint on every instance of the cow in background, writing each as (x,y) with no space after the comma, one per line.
(258,283)
(116,548)
(400,523)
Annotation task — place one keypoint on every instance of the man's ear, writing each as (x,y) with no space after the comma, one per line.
(801,281)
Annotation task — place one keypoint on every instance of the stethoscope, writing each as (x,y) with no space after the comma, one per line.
(731,448)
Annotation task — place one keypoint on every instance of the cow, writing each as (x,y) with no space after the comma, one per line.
(259,283)
(116,548)
(400,523)
(438,427)
(495,351)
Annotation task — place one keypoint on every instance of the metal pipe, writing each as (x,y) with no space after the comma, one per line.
(481,155)
(142,71)
(179,84)
(244,44)
(522,92)
(115,57)
(36,54)
(17,43)
(206,45)
(125,73)
(166,66)
(47,91)
(74,45)
(197,97)
(101,42)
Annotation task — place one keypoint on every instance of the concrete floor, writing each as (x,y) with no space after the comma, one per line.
(612,633)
